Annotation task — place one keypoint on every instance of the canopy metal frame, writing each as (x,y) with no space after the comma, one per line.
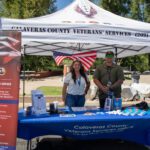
(102,48)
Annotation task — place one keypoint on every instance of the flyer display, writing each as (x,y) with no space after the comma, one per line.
(10,46)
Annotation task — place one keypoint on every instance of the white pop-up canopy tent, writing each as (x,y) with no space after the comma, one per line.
(82,26)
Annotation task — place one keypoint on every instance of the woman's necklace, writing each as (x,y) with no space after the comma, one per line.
(78,79)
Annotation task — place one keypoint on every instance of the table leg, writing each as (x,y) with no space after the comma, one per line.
(37,140)
(29,143)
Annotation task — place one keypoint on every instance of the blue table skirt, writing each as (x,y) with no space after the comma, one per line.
(83,127)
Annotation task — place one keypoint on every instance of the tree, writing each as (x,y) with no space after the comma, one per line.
(137,10)
(145,9)
(146,18)
(26,9)
(135,63)
(140,10)
(119,7)
(10,8)
(35,8)
(39,63)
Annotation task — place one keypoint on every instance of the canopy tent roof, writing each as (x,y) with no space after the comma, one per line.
(82,26)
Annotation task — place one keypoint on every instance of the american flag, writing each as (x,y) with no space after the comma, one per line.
(87,58)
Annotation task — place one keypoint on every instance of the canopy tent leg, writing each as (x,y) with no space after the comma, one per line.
(24,77)
(79,47)
(116,59)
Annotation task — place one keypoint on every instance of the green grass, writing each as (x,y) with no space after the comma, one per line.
(51,90)
(90,77)
(127,78)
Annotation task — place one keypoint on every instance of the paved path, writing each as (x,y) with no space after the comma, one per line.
(58,81)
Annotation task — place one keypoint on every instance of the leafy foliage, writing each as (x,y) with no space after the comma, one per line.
(26,8)
(119,7)
(136,63)
(136,10)
(40,63)
(146,10)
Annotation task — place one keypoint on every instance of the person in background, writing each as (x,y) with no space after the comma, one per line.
(76,86)
(108,77)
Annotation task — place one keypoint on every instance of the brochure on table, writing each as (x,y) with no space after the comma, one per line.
(38,102)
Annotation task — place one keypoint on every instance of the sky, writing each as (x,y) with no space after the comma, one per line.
(63,3)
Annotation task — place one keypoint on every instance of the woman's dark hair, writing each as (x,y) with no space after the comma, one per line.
(82,72)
